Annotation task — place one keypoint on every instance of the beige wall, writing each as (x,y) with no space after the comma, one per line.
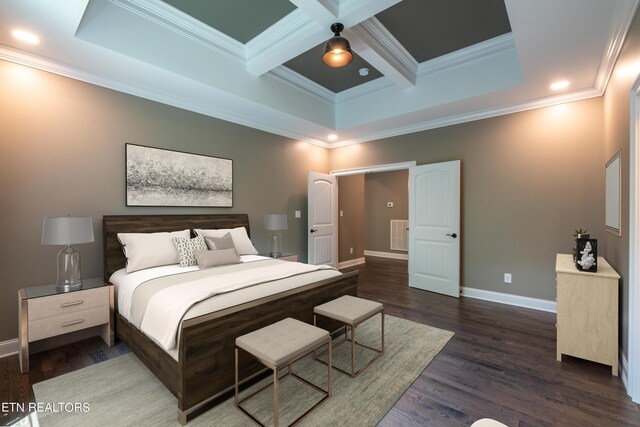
(351,223)
(62,144)
(528,180)
(380,188)
(617,137)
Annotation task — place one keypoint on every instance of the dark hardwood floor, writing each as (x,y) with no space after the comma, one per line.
(500,364)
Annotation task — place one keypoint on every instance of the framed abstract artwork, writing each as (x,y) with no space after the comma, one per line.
(159,177)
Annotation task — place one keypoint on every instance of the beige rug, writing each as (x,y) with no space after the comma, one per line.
(122,392)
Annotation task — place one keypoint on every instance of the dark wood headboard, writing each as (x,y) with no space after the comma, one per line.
(114,258)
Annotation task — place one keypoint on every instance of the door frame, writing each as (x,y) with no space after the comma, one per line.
(377,168)
(633,373)
(371,169)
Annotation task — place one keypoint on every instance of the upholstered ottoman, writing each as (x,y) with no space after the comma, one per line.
(279,345)
(351,311)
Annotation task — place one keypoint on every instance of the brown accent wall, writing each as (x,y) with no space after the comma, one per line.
(62,144)
(380,188)
(351,223)
(528,180)
(617,137)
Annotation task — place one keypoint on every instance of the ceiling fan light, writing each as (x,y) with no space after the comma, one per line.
(337,50)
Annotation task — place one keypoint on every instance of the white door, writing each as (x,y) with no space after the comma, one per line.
(434,227)
(323,219)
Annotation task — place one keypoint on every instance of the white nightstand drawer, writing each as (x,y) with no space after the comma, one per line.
(72,302)
(53,326)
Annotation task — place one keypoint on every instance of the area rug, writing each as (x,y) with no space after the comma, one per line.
(122,392)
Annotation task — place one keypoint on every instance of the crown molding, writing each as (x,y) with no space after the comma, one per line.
(578,95)
(181,23)
(282,41)
(397,62)
(184,102)
(623,17)
(332,6)
(454,59)
(468,54)
(287,76)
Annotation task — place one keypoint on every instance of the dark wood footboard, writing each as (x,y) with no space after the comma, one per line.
(204,372)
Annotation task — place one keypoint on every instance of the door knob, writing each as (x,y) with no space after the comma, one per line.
(454,235)
(313,230)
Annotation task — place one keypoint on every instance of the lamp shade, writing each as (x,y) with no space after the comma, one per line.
(337,50)
(275,222)
(67,230)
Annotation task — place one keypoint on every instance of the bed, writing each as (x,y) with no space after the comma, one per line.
(202,375)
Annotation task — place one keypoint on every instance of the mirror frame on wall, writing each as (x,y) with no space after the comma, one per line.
(613,179)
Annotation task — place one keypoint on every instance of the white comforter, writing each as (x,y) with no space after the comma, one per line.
(167,307)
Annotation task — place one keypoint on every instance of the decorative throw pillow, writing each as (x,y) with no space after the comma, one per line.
(219,243)
(146,250)
(217,257)
(239,235)
(186,247)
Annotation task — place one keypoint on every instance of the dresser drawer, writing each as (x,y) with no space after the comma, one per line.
(69,322)
(72,302)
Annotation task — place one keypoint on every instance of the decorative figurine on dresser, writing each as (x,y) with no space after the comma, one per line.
(585,251)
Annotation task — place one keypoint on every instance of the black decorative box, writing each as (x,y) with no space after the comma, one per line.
(587,254)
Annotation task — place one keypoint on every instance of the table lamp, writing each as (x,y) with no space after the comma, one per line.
(275,223)
(68,230)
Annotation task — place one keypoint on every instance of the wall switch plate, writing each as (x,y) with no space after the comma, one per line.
(350,250)
(507,277)
(389,204)
(297,214)
(341,213)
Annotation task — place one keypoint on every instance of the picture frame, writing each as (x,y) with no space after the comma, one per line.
(169,178)
(613,192)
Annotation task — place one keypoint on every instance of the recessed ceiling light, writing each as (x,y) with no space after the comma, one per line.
(559,85)
(332,137)
(363,71)
(25,36)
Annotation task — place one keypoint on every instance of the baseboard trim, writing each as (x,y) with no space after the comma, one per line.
(386,255)
(509,299)
(9,347)
(351,263)
(623,369)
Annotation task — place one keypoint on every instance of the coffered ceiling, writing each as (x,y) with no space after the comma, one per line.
(431,62)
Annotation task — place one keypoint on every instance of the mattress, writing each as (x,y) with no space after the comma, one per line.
(127,284)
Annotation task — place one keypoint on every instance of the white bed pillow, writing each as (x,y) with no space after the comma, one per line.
(239,235)
(146,250)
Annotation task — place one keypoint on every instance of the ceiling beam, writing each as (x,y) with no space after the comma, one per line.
(373,42)
(323,12)
(304,28)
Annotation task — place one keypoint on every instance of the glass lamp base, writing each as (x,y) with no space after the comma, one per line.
(69,269)
(69,288)
(276,245)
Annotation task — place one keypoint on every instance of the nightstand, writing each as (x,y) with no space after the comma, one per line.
(285,257)
(46,312)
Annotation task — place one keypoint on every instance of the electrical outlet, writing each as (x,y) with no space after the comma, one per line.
(341,213)
(507,277)
(389,204)
(297,215)
(350,250)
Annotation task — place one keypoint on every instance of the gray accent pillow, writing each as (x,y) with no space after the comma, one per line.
(186,247)
(218,257)
(219,243)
